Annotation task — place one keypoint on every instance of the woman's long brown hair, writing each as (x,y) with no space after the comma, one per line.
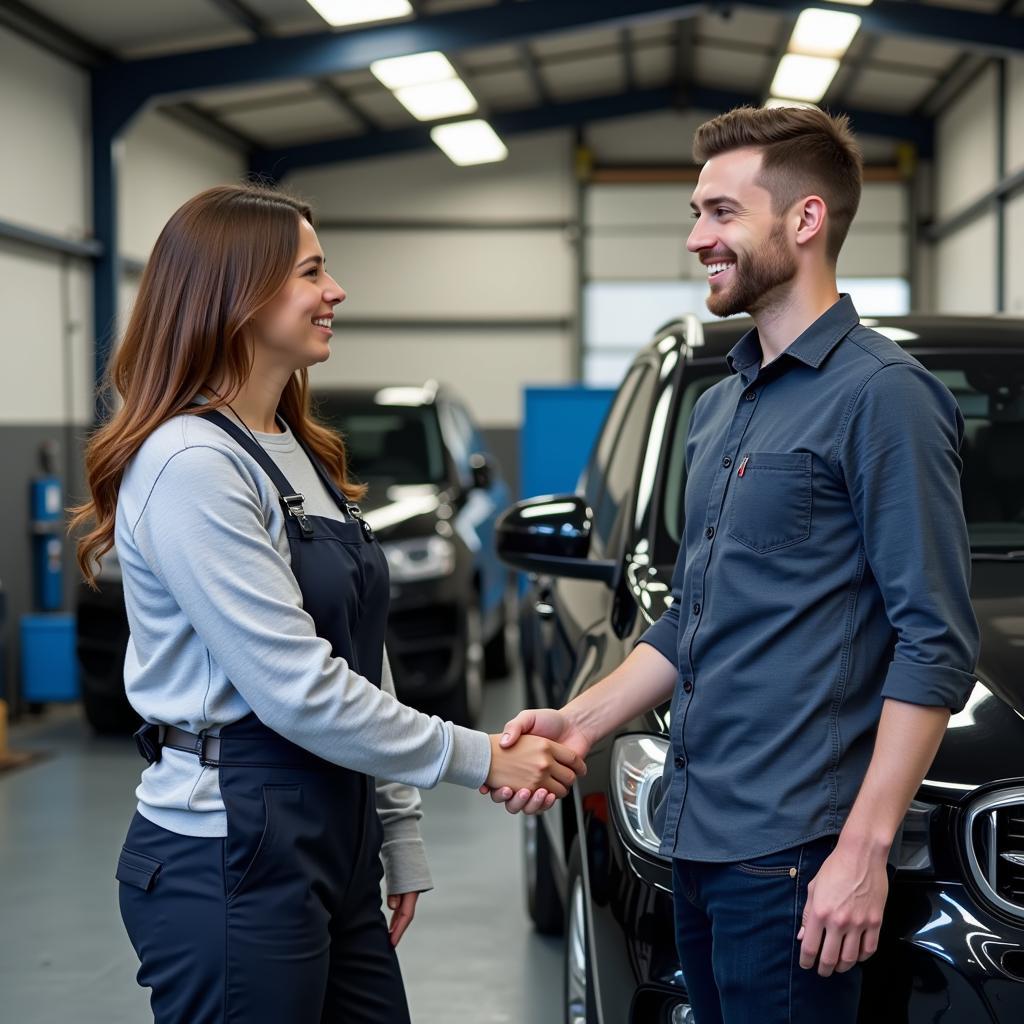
(220,258)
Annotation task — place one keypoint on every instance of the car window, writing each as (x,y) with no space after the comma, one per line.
(626,457)
(593,479)
(990,392)
(697,378)
(393,444)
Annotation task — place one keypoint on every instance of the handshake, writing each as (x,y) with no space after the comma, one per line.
(536,760)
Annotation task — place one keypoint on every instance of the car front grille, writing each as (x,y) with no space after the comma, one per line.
(995,847)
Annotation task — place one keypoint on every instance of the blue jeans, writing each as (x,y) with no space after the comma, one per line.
(736,927)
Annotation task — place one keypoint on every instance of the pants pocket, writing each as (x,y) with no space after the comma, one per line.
(278,802)
(138,870)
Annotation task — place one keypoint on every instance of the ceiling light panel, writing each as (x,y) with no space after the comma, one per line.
(358,12)
(437,99)
(821,33)
(469,142)
(804,78)
(417,69)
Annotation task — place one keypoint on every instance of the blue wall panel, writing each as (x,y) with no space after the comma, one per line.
(560,426)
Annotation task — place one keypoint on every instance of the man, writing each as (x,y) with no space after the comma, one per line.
(821,630)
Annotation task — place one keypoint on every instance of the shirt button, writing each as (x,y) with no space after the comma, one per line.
(687,686)
(709,532)
(750,396)
(696,609)
(680,762)
(727,462)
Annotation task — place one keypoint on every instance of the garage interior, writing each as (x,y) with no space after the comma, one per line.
(548,267)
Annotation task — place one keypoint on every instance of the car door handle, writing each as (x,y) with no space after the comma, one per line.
(544,610)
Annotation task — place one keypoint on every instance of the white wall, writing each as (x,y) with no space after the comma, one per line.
(426,277)
(164,163)
(45,303)
(964,266)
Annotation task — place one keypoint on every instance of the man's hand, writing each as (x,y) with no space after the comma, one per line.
(553,725)
(403,906)
(534,763)
(843,915)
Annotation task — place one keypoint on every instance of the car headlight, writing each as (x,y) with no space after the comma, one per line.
(915,842)
(424,558)
(637,766)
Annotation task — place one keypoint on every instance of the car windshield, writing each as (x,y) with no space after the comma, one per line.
(388,444)
(990,391)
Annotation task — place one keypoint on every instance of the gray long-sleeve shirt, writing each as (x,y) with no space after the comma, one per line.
(218,630)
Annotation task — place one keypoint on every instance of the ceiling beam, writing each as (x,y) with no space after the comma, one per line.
(126,86)
(276,163)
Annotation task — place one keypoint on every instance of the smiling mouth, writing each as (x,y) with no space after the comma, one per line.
(323,321)
(715,270)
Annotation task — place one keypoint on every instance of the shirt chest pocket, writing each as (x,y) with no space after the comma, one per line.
(771,498)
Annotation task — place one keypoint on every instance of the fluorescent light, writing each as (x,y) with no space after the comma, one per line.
(853,3)
(469,142)
(417,69)
(355,12)
(804,78)
(777,101)
(823,33)
(437,99)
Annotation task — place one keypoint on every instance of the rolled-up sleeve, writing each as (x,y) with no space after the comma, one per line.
(899,454)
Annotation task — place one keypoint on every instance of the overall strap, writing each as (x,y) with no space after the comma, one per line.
(348,507)
(291,500)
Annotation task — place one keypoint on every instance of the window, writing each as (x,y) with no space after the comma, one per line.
(620,317)
(627,455)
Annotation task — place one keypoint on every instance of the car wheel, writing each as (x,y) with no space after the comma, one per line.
(464,703)
(496,660)
(543,901)
(579,990)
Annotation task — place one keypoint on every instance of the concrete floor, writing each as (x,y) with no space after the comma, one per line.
(470,955)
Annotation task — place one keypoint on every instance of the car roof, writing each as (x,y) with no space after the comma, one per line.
(384,394)
(932,332)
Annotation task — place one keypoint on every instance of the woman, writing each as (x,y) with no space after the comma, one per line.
(257,599)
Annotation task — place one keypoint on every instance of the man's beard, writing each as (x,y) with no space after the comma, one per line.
(756,277)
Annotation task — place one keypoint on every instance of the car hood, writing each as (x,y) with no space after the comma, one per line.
(398,512)
(984,741)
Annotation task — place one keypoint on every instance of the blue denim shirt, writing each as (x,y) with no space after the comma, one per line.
(824,566)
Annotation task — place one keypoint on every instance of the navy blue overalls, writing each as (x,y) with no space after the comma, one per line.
(281,921)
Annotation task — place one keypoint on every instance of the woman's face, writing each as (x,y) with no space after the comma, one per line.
(294,329)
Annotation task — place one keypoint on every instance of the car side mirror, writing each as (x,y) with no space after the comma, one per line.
(551,535)
(482,470)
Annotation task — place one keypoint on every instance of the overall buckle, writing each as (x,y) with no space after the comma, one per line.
(293,507)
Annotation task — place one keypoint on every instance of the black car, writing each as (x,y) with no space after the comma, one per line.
(435,492)
(601,560)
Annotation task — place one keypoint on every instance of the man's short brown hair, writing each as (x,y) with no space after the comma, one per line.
(805,152)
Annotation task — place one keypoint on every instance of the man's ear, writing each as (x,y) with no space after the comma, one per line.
(811,215)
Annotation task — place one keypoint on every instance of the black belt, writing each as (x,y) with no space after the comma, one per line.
(151,739)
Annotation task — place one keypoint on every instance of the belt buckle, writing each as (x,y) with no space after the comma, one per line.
(205,759)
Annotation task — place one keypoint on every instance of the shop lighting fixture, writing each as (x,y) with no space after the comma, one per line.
(357,12)
(778,101)
(416,69)
(469,142)
(434,100)
(821,33)
(852,3)
(804,78)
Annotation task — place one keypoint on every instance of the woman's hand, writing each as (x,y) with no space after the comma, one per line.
(534,763)
(404,907)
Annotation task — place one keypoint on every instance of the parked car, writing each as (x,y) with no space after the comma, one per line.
(435,492)
(952,946)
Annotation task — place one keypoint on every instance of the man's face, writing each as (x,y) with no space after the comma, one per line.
(738,238)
